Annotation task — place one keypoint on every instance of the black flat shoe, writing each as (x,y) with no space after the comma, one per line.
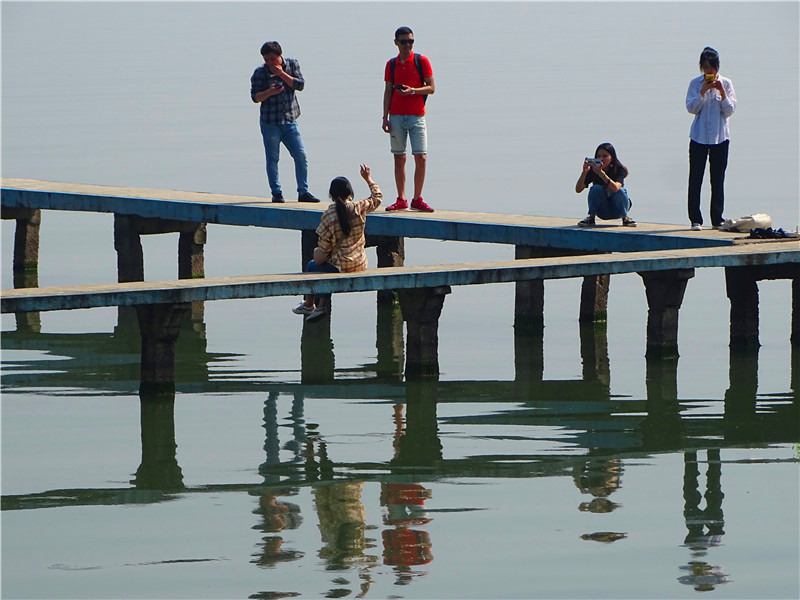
(307,197)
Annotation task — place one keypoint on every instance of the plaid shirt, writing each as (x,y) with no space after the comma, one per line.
(347,253)
(282,108)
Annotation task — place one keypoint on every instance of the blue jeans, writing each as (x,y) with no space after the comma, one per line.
(289,134)
(326,267)
(608,207)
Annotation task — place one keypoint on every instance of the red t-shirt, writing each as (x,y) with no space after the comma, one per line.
(405,72)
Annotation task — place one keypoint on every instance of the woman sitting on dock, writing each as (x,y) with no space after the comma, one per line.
(340,248)
(608,198)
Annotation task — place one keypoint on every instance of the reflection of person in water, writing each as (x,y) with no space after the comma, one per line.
(404,547)
(277,516)
(342,523)
(342,527)
(600,478)
(702,576)
(705,527)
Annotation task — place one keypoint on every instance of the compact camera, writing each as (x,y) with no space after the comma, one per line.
(594,161)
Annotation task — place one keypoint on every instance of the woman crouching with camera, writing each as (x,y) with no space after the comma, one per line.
(608,198)
(340,248)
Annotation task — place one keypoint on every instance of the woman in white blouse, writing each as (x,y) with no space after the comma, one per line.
(711,100)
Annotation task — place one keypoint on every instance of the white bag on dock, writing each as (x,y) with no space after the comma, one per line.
(748,223)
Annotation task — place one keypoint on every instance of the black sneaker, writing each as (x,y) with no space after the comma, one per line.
(307,197)
(277,197)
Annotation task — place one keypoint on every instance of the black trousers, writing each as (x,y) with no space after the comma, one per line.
(717,156)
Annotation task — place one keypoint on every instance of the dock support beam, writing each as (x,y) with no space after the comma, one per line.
(389,342)
(529,295)
(664,290)
(741,285)
(391,251)
(130,257)
(159,325)
(25,265)
(795,338)
(421,310)
(26,238)
(594,299)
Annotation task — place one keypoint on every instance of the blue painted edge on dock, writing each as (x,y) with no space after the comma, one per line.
(448,225)
(395,278)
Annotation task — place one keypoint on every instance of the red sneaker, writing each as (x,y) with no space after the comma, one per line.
(401,204)
(419,204)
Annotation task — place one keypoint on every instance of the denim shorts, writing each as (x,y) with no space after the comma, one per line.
(408,126)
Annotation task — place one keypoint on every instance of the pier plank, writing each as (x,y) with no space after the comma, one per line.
(764,253)
(224,209)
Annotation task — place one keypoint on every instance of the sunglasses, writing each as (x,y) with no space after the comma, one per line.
(406,42)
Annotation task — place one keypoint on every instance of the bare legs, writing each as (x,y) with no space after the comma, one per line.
(420,163)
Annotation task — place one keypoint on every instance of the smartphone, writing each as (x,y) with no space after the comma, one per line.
(709,78)
(594,161)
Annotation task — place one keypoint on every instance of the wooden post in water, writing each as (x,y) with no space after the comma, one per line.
(159,325)
(795,338)
(130,257)
(421,310)
(25,265)
(191,262)
(594,299)
(317,361)
(741,285)
(529,295)
(26,238)
(664,290)
(391,252)
(389,342)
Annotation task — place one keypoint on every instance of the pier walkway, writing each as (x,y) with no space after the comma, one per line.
(762,254)
(665,256)
(253,211)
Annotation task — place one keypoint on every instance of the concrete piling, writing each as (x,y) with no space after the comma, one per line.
(664,291)
(421,310)
(26,238)
(159,326)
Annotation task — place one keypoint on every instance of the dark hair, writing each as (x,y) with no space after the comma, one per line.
(615,167)
(402,31)
(709,56)
(271,48)
(340,191)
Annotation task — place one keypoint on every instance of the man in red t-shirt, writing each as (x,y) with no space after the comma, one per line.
(409,79)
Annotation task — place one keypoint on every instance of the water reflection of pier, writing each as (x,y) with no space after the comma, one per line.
(569,428)
(578,416)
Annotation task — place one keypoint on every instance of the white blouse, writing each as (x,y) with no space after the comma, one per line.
(711,113)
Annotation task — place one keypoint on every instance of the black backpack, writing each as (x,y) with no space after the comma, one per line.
(418,64)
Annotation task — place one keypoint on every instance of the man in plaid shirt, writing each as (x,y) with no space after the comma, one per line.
(273,85)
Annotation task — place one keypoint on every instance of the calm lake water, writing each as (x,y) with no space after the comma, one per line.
(292,464)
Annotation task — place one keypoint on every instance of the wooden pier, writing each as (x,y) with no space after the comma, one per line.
(665,256)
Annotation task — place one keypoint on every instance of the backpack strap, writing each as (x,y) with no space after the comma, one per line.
(418,64)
